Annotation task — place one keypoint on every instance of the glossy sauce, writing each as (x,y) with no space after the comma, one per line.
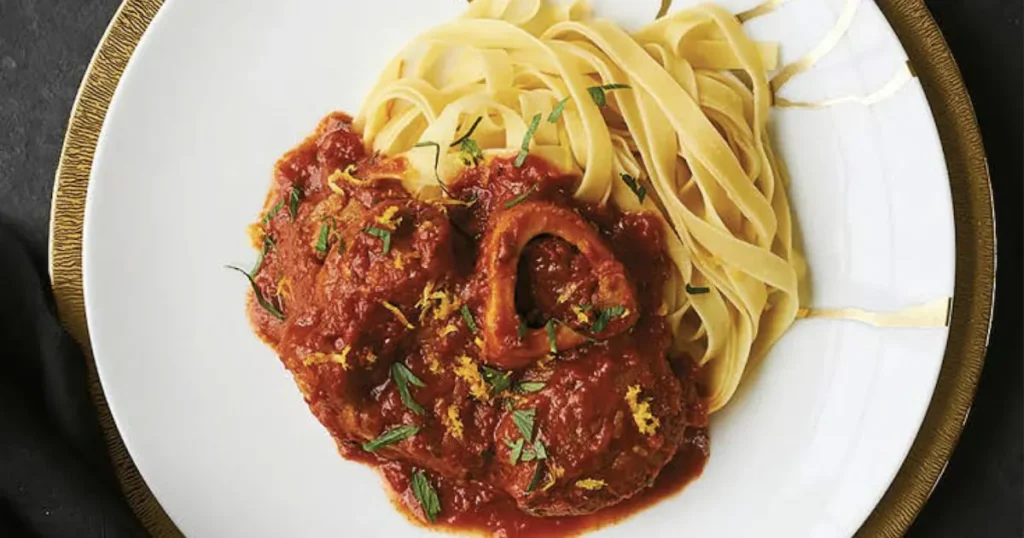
(330,278)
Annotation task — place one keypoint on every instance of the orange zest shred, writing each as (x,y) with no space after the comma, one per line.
(398,314)
(555,472)
(646,422)
(590,484)
(468,372)
(332,180)
(284,287)
(323,358)
(387,218)
(445,306)
(452,422)
(581,316)
(546,361)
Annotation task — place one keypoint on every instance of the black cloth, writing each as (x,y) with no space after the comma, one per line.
(55,479)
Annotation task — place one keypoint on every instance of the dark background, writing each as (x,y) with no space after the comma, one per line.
(45,46)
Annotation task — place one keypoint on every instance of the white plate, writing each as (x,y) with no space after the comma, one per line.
(216,91)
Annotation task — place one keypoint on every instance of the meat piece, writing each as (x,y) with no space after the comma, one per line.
(389,257)
(586,417)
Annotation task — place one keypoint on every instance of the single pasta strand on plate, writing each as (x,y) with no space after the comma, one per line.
(678,109)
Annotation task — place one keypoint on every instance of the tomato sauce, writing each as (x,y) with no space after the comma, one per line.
(392,314)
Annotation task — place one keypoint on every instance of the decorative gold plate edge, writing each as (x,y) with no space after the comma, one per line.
(975,266)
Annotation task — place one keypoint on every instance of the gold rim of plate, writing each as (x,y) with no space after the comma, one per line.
(975,254)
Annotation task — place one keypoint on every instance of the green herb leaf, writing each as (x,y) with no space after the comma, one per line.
(471,153)
(391,437)
(383,235)
(517,450)
(552,341)
(268,243)
(697,291)
(556,113)
(538,475)
(522,197)
(468,134)
(525,149)
(437,162)
(634,185)
(404,377)
(322,238)
(605,316)
(273,211)
(537,452)
(426,495)
(521,330)
(540,450)
(526,387)
(468,316)
(597,93)
(498,380)
(293,202)
(267,305)
(523,419)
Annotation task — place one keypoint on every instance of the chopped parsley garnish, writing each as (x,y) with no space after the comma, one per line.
(521,451)
(525,149)
(521,330)
(540,449)
(526,387)
(267,305)
(437,162)
(522,197)
(552,341)
(468,148)
(697,291)
(323,237)
(293,202)
(498,380)
(391,437)
(605,316)
(468,316)
(556,113)
(537,452)
(597,93)
(268,243)
(538,475)
(383,235)
(517,450)
(523,419)
(634,185)
(425,495)
(468,134)
(273,212)
(470,152)
(404,377)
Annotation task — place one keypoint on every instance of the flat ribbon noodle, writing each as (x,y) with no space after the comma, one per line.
(692,126)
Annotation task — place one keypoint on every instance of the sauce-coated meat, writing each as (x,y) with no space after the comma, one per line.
(513,337)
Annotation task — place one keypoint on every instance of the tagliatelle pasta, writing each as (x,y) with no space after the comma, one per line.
(677,110)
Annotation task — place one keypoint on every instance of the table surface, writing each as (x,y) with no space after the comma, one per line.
(45,46)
